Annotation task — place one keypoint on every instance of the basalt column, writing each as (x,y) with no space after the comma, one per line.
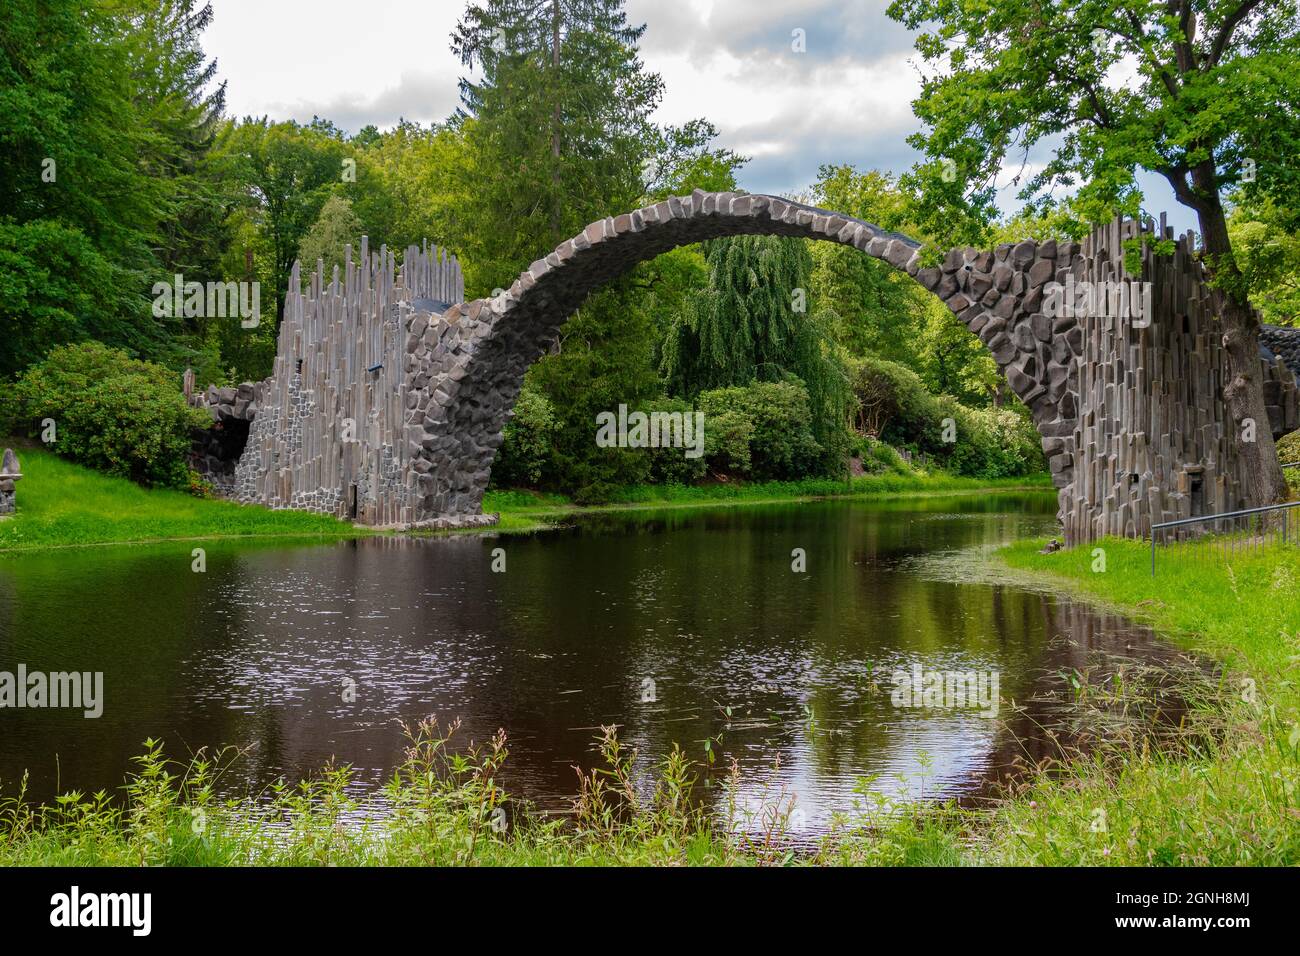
(1154,440)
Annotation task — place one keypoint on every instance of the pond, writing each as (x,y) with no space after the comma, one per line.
(776,633)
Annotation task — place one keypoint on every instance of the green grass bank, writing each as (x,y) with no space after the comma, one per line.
(61,504)
(1229,793)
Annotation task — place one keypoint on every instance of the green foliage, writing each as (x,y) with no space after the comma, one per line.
(556,132)
(1212,86)
(1268,252)
(285,171)
(772,419)
(560,122)
(528,444)
(602,361)
(954,362)
(750,322)
(406,182)
(336,227)
(728,434)
(1061,221)
(894,405)
(1288,453)
(669,465)
(684,161)
(891,399)
(121,416)
(105,119)
(877,458)
(56,287)
(871,306)
(990,442)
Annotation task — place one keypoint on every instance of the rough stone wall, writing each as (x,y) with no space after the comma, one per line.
(329,430)
(1280,349)
(1154,440)
(215,450)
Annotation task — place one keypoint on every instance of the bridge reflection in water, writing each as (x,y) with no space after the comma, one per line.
(700,607)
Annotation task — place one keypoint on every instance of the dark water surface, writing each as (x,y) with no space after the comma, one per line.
(699,607)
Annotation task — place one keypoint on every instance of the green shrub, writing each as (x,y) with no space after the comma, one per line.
(990,442)
(528,445)
(893,405)
(595,493)
(780,441)
(727,434)
(110,412)
(877,457)
(669,465)
(892,401)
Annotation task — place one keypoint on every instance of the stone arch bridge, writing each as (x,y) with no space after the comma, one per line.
(389,394)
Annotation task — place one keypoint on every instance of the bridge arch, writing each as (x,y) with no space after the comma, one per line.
(464,369)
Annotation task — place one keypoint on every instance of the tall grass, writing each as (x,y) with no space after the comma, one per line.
(443,806)
(1231,800)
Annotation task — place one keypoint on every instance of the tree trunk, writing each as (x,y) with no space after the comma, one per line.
(1244,393)
(555,121)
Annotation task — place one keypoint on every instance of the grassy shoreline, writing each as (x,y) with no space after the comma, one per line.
(1230,800)
(62,505)
(529,511)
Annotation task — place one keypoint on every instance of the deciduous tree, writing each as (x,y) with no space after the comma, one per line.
(1187,89)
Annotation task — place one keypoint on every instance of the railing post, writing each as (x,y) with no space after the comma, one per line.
(1252,528)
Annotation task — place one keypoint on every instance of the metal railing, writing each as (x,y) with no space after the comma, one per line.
(1232,533)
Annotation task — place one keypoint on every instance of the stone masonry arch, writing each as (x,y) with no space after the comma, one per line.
(464,369)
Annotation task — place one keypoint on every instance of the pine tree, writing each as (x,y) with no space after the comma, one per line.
(557,129)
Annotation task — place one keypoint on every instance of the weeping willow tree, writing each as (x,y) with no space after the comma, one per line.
(754,322)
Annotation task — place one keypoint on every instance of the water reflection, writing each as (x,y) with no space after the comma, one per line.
(658,623)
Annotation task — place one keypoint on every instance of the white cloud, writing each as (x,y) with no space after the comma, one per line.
(354,63)
(846,100)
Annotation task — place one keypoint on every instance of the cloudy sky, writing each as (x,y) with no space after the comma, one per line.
(845,100)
